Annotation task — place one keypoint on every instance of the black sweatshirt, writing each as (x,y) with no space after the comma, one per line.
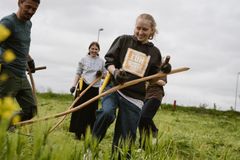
(116,54)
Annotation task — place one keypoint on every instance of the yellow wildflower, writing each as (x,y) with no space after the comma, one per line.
(8,56)
(3,77)
(8,101)
(7,114)
(7,108)
(4,33)
(16,119)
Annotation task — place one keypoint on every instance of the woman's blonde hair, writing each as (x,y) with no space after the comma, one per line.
(153,23)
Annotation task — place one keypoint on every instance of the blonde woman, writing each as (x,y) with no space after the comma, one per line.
(128,101)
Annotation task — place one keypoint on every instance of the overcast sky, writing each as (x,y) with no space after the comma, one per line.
(200,34)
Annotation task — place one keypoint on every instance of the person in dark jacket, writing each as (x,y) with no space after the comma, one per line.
(129,101)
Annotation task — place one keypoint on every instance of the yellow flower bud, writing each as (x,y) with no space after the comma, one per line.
(8,56)
(7,107)
(6,114)
(3,77)
(4,33)
(8,101)
(16,119)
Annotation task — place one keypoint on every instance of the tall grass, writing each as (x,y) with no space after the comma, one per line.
(187,133)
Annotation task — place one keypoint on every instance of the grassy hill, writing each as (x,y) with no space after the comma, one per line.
(184,133)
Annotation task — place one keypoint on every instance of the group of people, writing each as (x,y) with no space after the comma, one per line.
(136,104)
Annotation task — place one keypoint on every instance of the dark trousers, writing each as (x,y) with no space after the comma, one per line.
(146,124)
(85,117)
(19,88)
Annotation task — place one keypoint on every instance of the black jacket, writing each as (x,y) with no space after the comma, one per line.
(116,54)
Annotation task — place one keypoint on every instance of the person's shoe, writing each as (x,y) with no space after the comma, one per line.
(154,137)
(12,128)
(154,141)
(139,150)
(87,155)
(15,117)
(79,136)
(155,134)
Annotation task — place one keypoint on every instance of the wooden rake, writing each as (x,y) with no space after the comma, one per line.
(74,102)
(111,90)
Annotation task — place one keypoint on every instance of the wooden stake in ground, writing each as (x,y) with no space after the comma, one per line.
(111,90)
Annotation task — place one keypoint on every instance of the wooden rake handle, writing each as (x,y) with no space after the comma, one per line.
(74,102)
(33,83)
(39,68)
(114,89)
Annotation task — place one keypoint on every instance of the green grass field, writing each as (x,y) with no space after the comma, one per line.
(186,133)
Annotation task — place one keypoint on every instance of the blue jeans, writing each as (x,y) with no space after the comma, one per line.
(127,119)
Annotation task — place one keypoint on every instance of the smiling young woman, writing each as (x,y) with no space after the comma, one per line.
(89,69)
(129,100)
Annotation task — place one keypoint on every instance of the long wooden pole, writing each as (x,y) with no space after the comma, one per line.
(118,87)
(39,68)
(74,102)
(33,87)
(33,83)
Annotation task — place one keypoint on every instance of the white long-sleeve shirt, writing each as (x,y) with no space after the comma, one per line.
(88,67)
